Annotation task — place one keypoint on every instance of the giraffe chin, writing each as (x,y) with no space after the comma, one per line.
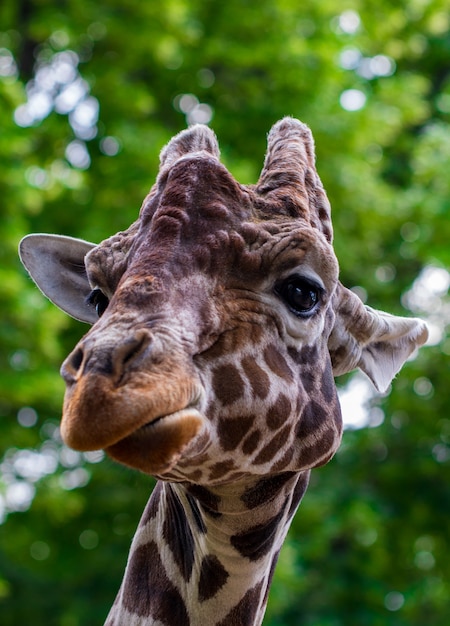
(156,447)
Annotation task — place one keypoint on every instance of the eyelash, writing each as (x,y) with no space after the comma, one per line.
(98,300)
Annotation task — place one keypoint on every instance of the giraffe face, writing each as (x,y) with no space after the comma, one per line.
(210,321)
(220,320)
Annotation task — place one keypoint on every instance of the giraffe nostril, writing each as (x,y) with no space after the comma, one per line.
(76,359)
(72,365)
(106,358)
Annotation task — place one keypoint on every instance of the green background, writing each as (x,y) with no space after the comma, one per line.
(89,93)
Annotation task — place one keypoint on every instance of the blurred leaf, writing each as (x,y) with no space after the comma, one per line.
(369,543)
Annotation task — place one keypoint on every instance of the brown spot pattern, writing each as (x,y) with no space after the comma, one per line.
(178,534)
(232,431)
(195,476)
(251,443)
(221,469)
(278,412)
(244,613)
(277,363)
(148,591)
(309,356)
(312,419)
(274,445)
(257,377)
(257,541)
(265,490)
(207,500)
(307,359)
(282,463)
(317,453)
(213,577)
(228,384)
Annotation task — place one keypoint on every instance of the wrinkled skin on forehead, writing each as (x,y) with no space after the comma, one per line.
(222,236)
(222,320)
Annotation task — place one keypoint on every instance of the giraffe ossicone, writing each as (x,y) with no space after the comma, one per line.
(219,323)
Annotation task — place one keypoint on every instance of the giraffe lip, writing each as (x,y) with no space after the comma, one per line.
(155,447)
(157,421)
(154,422)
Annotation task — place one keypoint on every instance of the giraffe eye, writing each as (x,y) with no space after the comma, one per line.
(301,295)
(98,300)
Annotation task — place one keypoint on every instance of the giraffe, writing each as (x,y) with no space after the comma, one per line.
(218,325)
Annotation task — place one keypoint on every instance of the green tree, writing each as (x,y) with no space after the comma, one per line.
(89,93)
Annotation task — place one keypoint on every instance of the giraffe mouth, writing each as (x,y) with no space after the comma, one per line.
(155,447)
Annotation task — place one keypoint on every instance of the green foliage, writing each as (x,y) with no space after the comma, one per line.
(372,79)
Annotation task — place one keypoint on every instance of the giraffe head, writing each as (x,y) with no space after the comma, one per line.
(218,320)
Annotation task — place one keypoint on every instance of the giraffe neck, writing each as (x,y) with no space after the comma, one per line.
(207,556)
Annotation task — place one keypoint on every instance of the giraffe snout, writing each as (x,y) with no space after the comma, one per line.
(110,356)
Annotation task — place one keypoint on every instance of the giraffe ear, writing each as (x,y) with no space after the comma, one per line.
(373,341)
(56,264)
